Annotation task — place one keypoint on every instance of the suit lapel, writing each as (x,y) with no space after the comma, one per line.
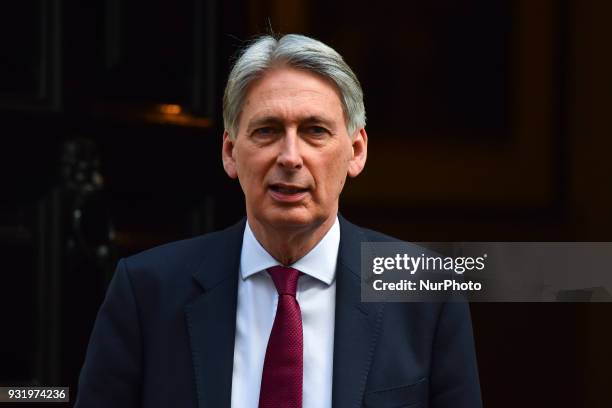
(211,320)
(211,317)
(357,324)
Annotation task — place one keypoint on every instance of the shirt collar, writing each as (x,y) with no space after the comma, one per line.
(320,262)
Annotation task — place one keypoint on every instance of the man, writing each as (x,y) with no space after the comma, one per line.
(268,313)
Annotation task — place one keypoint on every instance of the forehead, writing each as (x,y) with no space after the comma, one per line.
(290,93)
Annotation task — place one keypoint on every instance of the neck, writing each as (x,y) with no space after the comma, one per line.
(287,245)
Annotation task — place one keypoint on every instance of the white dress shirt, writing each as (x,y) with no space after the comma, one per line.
(257,302)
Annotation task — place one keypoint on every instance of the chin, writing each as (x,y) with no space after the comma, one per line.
(290,218)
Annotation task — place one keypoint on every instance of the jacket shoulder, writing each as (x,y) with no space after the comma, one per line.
(375,236)
(365,234)
(185,256)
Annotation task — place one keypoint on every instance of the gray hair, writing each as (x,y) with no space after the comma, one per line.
(296,51)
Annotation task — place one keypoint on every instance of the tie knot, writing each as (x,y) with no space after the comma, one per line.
(285,279)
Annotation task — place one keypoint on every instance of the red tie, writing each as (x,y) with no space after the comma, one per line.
(281,380)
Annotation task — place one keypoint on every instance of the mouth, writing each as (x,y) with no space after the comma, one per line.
(287,193)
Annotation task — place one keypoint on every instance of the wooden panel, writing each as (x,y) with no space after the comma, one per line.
(449,169)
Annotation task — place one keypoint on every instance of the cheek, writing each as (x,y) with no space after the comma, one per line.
(251,167)
(334,174)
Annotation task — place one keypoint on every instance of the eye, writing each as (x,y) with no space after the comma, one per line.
(317,130)
(266,133)
(266,130)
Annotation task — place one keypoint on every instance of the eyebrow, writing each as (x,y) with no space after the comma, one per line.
(318,119)
(264,120)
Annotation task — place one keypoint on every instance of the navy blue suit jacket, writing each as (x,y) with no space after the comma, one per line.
(164,336)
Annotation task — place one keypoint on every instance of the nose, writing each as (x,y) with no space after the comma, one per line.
(289,155)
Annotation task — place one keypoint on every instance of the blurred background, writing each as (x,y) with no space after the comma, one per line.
(488,121)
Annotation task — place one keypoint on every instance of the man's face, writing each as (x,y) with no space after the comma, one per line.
(292,152)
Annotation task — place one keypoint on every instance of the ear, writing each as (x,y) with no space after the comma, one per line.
(360,153)
(227,155)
